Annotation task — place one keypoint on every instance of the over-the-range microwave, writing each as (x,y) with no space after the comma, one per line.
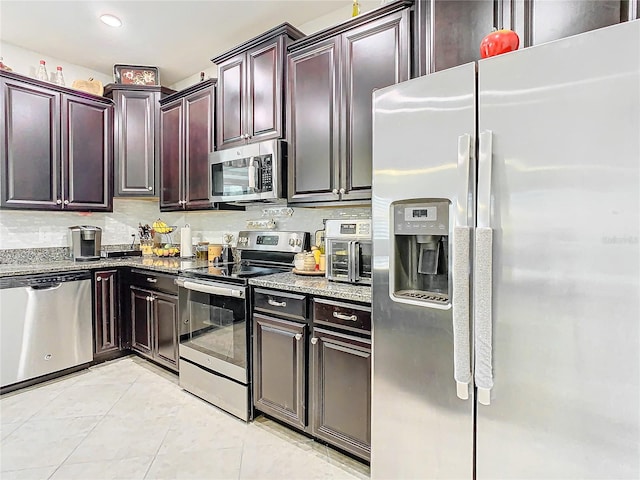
(254,172)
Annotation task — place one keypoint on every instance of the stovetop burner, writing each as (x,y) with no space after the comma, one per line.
(263,253)
(239,273)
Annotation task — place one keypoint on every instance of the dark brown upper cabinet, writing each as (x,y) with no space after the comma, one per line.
(57,147)
(251,88)
(137,114)
(449,32)
(187,132)
(331,78)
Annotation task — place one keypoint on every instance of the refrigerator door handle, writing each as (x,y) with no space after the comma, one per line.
(461,348)
(461,287)
(483,323)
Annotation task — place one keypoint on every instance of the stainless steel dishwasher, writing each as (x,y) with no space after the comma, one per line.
(45,324)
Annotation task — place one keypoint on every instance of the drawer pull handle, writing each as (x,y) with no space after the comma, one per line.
(298,336)
(341,316)
(276,304)
(152,280)
(314,340)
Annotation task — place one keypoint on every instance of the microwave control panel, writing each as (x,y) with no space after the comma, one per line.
(429,218)
(267,173)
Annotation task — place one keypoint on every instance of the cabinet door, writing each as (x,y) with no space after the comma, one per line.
(199,138)
(135,142)
(230,112)
(313,116)
(165,317)
(30,163)
(341,390)
(376,55)
(541,21)
(279,368)
(87,154)
(171,156)
(264,91)
(448,33)
(106,331)
(140,320)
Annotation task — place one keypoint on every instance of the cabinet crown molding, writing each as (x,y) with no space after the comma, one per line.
(349,24)
(189,90)
(282,29)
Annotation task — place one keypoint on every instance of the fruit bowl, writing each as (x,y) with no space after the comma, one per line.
(166,251)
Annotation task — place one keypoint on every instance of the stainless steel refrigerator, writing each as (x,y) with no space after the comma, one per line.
(506,304)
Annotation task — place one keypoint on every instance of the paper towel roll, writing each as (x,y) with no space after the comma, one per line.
(186,244)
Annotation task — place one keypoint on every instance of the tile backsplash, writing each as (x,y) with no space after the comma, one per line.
(35,229)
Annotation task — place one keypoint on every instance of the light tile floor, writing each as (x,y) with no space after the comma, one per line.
(129,419)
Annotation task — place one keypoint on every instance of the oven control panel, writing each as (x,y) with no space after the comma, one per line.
(273,241)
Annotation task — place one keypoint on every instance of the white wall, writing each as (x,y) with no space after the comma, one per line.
(340,15)
(25,62)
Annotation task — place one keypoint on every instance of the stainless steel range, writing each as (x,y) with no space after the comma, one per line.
(214,312)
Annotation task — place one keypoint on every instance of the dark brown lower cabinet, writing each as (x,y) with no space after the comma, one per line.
(154,325)
(140,320)
(340,394)
(106,326)
(279,368)
(165,317)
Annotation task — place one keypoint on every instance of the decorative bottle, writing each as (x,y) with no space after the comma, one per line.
(59,77)
(355,11)
(42,74)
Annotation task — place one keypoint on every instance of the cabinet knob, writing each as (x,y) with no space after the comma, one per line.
(298,336)
(342,190)
(58,202)
(152,298)
(314,340)
(66,202)
(148,298)
(149,188)
(99,279)
(335,191)
(152,280)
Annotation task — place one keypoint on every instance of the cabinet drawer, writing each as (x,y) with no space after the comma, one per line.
(153,281)
(351,317)
(280,303)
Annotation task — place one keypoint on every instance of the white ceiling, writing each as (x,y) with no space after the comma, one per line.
(178,36)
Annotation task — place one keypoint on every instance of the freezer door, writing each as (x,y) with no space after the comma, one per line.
(563,120)
(423,133)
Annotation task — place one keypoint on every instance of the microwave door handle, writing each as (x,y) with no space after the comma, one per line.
(251,174)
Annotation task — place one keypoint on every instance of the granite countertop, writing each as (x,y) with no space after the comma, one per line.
(314,285)
(282,281)
(164,265)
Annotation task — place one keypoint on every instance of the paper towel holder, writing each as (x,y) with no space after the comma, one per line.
(186,242)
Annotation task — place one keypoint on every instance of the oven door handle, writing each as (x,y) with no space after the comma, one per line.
(211,289)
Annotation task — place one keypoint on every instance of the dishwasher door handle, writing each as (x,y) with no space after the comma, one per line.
(43,288)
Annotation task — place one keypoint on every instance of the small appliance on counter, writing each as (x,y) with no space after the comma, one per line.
(120,253)
(86,243)
(348,250)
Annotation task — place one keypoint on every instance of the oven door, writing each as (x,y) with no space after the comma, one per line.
(214,327)
(361,254)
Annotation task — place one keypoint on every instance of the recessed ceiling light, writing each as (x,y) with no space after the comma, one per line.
(111,20)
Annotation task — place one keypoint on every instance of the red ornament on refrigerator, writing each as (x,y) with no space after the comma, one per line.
(498,42)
